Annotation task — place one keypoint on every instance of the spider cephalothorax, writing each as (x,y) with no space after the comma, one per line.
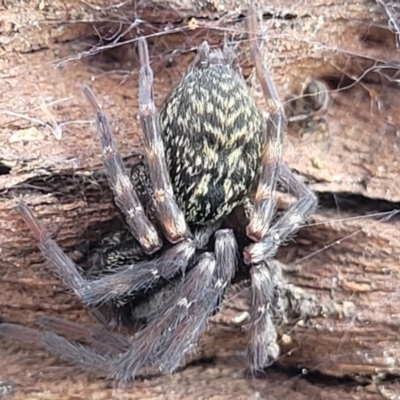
(204,152)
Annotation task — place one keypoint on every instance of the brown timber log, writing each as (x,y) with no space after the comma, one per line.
(349,155)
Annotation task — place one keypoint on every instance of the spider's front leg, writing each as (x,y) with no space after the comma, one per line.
(266,285)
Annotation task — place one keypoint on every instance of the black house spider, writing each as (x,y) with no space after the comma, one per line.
(204,152)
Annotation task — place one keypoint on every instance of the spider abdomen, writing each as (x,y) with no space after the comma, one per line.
(212,130)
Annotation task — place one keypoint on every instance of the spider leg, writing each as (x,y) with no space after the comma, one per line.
(119,180)
(138,276)
(273,132)
(127,280)
(289,223)
(72,351)
(266,285)
(166,340)
(266,282)
(263,346)
(184,340)
(168,212)
(111,342)
(274,300)
(273,169)
(64,267)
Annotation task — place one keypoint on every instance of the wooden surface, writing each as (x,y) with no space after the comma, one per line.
(49,158)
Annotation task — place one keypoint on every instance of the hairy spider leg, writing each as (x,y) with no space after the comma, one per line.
(264,205)
(119,180)
(100,337)
(166,341)
(125,281)
(169,214)
(263,348)
(289,223)
(140,275)
(88,358)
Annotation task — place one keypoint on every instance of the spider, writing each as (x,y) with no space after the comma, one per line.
(207,152)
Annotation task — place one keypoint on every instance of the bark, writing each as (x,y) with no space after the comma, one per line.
(349,155)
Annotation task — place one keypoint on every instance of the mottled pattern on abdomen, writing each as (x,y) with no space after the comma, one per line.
(212,132)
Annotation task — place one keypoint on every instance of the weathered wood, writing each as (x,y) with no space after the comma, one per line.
(352,152)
